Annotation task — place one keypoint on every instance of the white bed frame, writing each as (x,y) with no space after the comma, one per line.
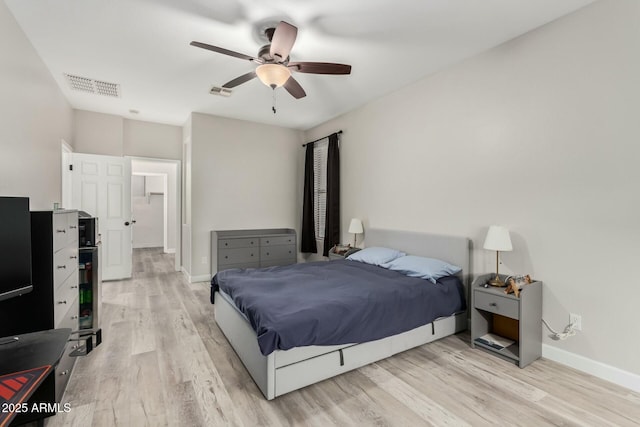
(283,371)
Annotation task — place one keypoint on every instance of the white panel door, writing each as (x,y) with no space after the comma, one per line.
(102,188)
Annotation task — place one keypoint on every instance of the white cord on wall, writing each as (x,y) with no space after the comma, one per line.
(569,331)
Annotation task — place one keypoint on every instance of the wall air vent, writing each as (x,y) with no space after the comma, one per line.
(99,87)
(222,91)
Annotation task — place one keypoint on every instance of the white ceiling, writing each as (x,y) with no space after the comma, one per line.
(144,46)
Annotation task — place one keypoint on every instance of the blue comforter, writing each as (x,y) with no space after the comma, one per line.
(337,302)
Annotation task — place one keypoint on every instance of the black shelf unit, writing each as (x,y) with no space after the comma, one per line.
(89,288)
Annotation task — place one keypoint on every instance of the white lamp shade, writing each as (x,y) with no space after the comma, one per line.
(498,239)
(356,226)
(273,75)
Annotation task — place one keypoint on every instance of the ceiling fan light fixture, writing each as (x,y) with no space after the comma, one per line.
(273,75)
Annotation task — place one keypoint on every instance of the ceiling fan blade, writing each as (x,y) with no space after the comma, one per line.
(283,39)
(239,80)
(320,67)
(223,51)
(293,87)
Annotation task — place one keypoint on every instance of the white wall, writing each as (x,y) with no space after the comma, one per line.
(143,138)
(34,117)
(106,134)
(243,175)
(541,135)
(98,133)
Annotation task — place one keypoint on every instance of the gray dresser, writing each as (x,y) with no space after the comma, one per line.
(252,248)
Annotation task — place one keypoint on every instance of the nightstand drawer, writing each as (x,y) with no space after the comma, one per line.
(497,304)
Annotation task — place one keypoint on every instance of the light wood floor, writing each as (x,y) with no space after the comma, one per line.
(164,362)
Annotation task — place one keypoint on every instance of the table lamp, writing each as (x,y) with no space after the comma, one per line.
(497,240)
(356,228)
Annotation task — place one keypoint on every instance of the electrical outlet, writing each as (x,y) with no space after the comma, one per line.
(204,260)
(576,321)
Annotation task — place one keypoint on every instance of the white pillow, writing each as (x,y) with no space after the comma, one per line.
(425,268)
(376,255)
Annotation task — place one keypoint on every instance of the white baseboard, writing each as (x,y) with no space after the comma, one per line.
(170,251)
(195,279)
(147,246)
(592,367)
(201,278)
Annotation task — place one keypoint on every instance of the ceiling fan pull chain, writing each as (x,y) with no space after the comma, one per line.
(273,107)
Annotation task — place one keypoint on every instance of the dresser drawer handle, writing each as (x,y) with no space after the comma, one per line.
(73,257)
(289,251)
(72,226)
(251,254)
(62,302)
(226,244)
(226,257)
(493,304)
(74,286)
(252,243)
(65,372)
(61,231)
(74,317)
(61,266)
(267,241)
(267,252)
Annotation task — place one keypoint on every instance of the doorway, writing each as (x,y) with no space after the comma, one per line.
(83,194)
(156,197)
(149,205)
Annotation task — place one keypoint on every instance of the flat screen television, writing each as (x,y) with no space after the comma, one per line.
(15,247)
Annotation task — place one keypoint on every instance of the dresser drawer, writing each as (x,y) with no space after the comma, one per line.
(277,240)
(64,369)
(72,228)
(238,256)
(238,243)
(60,230)
(242,265)
(276,262)
(64,296)
(70,318)
(65,263)
(277,252)
(497,304)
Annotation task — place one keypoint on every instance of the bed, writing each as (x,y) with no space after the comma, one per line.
(280,371)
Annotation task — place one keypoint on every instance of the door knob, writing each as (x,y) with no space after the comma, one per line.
(126,223)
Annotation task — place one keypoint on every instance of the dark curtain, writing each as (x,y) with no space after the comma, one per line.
(332,220)
(308,243)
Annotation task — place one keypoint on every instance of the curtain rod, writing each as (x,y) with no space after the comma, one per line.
(320,139)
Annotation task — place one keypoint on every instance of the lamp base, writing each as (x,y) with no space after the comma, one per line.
(497,282)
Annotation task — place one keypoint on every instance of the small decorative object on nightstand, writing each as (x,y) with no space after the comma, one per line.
(341,252)
(497,240)
(505,325)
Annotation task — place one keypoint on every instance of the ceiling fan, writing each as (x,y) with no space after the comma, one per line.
(274,67)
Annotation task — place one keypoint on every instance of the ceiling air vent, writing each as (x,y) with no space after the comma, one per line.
(99,87)
(222,91)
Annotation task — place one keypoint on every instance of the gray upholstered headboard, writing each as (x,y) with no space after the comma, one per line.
(452,249)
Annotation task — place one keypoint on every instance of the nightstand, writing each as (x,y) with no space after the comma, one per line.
(334,256)
(517,319)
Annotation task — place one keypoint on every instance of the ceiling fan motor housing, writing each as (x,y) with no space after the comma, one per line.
(265,54)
